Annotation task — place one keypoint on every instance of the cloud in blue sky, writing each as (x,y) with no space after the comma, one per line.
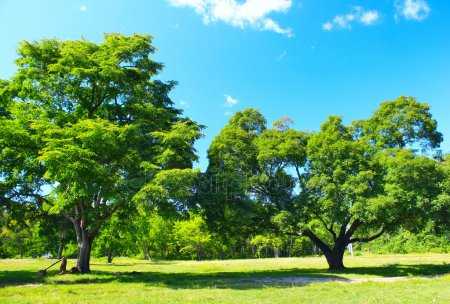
(257,14)
(249,13)
(358,14)
(417,10)
(230,101)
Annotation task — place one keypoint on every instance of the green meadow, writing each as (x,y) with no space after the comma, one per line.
(367,279)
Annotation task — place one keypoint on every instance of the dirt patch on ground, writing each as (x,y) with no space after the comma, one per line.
(311,280)
(31,285)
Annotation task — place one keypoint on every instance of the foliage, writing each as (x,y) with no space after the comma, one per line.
(89,121)
(265,243)
(93,148)
(192,237)
(405,241)
(343,184)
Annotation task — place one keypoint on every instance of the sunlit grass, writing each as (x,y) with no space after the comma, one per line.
(232,281)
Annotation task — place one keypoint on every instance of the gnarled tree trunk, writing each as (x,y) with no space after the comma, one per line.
(335,258)
(335,255)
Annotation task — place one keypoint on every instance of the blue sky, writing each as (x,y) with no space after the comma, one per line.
(307,59)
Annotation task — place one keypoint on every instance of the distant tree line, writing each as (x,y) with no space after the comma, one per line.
(96,159)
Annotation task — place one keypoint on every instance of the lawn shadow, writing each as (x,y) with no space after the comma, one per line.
(401,270)
(21,277)
(228,280)
(221,280)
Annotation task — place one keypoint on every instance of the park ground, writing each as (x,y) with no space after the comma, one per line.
(367,279)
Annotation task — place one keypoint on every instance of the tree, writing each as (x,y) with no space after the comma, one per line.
(441,207)
(267,242)
(160,235)
(400,123)
(225,187)
(90,123)
(280,150)
(248,180)
(114,238)
(363,180)
(192,236)
(342,184)
(358,192)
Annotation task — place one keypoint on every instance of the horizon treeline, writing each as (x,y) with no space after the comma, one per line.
(96,159)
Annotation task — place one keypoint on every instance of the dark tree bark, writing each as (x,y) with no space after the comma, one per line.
(84,254)
(335,258)
(86,235)
(84,241)
(110,256)
(335,255)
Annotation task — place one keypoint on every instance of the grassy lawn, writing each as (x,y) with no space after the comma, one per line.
(237,281)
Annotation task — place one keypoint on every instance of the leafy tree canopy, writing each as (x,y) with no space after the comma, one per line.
(89,121)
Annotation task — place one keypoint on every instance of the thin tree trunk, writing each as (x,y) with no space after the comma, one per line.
(110,256)
(60,249)
(146,252)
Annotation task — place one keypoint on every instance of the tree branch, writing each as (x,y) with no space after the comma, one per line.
(324,247)
(355,225)
(329,229)
(368,239)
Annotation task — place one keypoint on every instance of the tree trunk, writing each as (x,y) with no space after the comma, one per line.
(335,258)
(110,256)
(60,249)
(84,254)
(335,255)
(146,252)
(84,240)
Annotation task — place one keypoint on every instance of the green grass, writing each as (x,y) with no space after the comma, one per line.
(236,281)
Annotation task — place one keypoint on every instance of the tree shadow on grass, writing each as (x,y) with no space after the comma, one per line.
(146,263)
(20,277)
(228,280)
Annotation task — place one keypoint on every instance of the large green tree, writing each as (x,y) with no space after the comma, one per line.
(342,184)
(88,123)
(247,180)
(225,186)
(367,178)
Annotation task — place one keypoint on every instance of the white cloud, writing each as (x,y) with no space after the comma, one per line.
(83,8)
(242,14)
(370,17)
(271,25)
(413,9)
(230,101)
(357,14)
(327,26)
